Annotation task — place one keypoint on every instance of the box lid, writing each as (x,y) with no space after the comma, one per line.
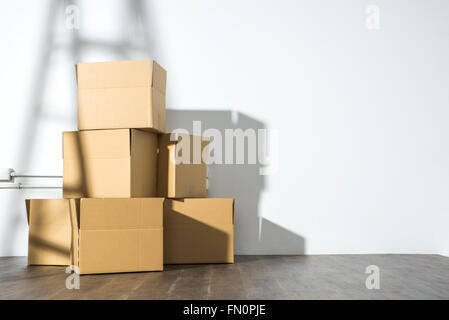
(48,212)
(121,74)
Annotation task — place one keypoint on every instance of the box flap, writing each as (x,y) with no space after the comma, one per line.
(49,212)
(99,144)
(143,163)
(159,77)
(233,211)
(74,222)
(210,211)
(49,232)
(121,213)
(27,205)
(115,74)
(76,73)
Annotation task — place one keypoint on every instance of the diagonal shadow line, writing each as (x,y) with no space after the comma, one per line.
(137,15)
(43,244)
(30,126)
(183,222)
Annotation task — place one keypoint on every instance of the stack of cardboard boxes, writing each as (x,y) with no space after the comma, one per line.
(129,205)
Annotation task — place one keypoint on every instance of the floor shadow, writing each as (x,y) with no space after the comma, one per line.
(253,233)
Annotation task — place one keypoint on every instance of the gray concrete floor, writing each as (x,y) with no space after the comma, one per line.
(251,277)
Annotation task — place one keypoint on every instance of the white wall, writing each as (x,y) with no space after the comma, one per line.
(362,114)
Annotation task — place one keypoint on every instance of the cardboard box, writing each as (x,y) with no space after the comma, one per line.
(118,163)
(50,231)
(121,94)
(120,235)
(182,180)
(97,235)
(198,231)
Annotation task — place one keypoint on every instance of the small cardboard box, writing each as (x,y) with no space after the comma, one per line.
(198,231)
(118,163)
(97,235)
(121,94)
(188,177)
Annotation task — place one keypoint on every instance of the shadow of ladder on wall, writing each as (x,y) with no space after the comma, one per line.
(63,32)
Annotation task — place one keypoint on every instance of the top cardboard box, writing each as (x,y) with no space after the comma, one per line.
(122,94)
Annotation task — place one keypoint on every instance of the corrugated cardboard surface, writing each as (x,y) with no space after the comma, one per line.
(181,180)
(121,235)
(198,231)
(121,94)
(144,146)
(109,163)
(50,231)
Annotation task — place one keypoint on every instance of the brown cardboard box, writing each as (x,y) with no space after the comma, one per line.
(120,235)
(198,231)
(121,94)
(50,231)
(97,235)
(118,163)
(183,180)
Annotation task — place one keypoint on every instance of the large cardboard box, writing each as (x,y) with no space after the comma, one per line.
(118,163)
(121,94)
(120,235)
(198,231)
(182,175)
(50,239)
(97,235)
